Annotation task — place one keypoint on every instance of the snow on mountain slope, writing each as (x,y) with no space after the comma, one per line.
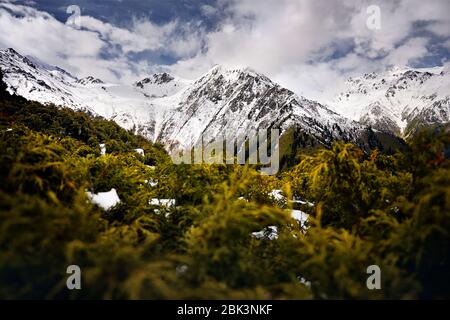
(176,111)
(89,80)
(233,102)
(34,80)
(397,99)
(161,85)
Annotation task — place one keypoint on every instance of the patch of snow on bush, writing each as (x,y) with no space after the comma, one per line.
(102,149)
(302,202)
(277,195)
(152,183)
(300,216)
(269,233)
(162,202)
(105,200)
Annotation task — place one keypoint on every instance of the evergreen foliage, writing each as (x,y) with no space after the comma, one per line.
(365,209)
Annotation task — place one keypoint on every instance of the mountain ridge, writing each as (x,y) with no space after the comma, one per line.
(224,102)
(396,100)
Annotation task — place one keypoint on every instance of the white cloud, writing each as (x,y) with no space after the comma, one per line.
(293,41)
(181,40)
(307,45)
(208,10)
(405,54)
(447,44)
(80,51)
(41,35)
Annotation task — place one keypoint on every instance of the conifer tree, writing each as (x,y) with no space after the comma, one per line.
(3,92)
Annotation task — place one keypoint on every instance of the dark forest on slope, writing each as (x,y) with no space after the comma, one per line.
(390,210)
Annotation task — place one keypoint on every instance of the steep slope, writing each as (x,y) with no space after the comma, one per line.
(34,80)
(398,100)
(224,102)
(89,80)
(176,111)
(234,102)
(161,85)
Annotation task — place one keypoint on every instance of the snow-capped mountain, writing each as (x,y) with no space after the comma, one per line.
(398,100)
(233,102)
(89,80)
(175,111)
(34,80)
(161,85)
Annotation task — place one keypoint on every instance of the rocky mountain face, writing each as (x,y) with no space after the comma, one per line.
(161,85)
(234,102)
(398,101)
(89,80)
(230,103)
(34,80)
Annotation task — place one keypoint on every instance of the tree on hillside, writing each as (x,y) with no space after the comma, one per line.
(3,87)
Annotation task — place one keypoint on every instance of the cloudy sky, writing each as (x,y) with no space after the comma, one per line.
(306,45)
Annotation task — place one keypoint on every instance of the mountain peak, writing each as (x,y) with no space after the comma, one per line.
(220,73)
(156,79)
(89,80)
(223,70)
(237,99)
(394,99)
(160,85)
(11,51)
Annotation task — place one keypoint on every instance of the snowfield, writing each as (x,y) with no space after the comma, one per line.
(393,99)
(105,200)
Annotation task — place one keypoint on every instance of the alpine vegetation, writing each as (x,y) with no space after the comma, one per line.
(222,149)
(207,230)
